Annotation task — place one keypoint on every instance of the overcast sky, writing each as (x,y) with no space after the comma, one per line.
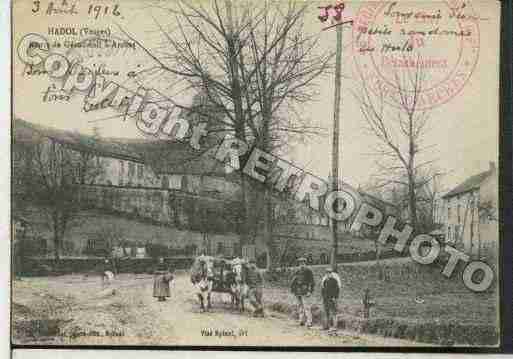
(464,130)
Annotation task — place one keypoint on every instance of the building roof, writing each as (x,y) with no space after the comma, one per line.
(27,132)
(165,157)
(471,183)
(172,157)
(378,201)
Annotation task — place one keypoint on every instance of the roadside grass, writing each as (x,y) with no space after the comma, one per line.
(37,314)
(411,301)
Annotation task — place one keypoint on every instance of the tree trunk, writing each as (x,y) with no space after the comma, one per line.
(239,117)
(412,202)
(377,258)
(268,233)
(56,238)
(244,214)
(56,249)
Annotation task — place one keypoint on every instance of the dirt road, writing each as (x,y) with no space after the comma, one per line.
(126,314)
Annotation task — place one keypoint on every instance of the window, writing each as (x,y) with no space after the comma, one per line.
(131,169)
(91,244)
(184,183)
(121,172)
(17,155)
(448,210)
(165,182)
(220,248)
(43,245)
(75,178)
(140,171)
(459,212)
(449,234)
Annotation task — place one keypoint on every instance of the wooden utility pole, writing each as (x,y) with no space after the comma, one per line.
(335,150)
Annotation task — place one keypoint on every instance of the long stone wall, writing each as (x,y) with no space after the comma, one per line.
(176,208)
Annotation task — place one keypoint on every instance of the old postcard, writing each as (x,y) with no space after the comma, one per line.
(255,173)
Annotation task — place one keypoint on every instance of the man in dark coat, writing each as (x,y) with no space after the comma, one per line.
(255,282)
(302,286)
(330,291)
(161,279)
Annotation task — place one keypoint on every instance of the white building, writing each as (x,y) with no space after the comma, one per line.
(471,214)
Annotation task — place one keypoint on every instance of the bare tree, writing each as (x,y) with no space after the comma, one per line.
(107,237)
(399,129)
(427,193)
(254,63)
(49,181)
(111,235)
(428,199)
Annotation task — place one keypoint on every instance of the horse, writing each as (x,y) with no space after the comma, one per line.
(239,288)
(202,277)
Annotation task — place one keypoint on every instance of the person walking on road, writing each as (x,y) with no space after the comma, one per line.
(330,291)
(255,282)
(302,286)
(107,273)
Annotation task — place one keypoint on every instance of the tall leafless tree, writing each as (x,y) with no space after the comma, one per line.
(399,127)
(51,173)
(427,192)
(254,63)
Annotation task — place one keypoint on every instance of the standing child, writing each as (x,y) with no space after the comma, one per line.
(330,291)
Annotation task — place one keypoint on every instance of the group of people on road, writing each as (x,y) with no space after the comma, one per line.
(302,287)
(238,277)
(162,276)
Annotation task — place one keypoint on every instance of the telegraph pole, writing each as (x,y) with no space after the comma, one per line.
(336,135)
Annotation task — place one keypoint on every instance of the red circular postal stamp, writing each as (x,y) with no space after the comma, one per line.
(438,39)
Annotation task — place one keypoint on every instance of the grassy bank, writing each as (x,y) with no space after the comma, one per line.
(412,301)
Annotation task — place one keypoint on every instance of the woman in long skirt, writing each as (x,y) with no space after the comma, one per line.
(161,279)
